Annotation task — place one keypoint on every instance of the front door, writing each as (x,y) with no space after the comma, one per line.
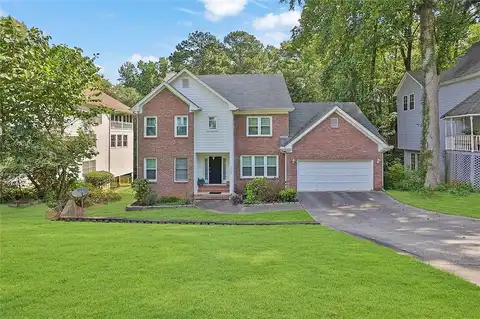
(215,171)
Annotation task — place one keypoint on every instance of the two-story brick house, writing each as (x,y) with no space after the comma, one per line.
(225,130)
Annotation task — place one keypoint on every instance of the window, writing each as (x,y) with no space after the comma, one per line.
(414,159)
(181,169)
(405,103)
(150,171)
(119,141)
(334,122)
(212,122)
(259,126)
(412,101)
(185,83)
(89,166)
(113,141)
(259,166)
(181,125)
(150,129)
(125,140)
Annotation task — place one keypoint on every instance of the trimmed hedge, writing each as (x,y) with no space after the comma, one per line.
(99,178)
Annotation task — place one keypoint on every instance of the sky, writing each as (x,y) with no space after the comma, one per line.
(128,30)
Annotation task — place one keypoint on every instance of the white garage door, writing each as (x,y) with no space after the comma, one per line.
(334,176)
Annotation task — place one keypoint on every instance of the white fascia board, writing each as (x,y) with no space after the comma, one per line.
(403,80)
(138,108)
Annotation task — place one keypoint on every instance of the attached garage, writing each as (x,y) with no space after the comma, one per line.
(334,175)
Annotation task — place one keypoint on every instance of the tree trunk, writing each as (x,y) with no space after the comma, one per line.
(430,113)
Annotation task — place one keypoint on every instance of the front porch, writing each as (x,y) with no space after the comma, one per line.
(462,133)
(214,175)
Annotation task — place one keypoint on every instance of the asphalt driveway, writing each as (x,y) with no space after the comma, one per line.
(448,242)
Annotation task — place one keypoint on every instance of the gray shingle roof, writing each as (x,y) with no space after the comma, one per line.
(417,76)
(251,91)
(471,105)
(306,114)
(467,64)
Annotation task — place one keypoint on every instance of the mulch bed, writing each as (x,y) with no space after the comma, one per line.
(174,221)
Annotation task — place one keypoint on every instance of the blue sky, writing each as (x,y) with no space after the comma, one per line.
(130,30)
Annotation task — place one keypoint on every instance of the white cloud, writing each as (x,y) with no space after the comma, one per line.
(100,67)
(275,21)
(274,38)
(216,10)
(145,58)
(185,23)
(192,12)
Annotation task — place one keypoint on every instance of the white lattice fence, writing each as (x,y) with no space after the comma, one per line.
(464,167)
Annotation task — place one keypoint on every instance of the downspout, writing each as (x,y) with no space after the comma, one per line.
(109,140)
(286,171)
(138,137)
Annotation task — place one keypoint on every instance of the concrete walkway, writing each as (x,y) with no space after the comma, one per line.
(448,242)
(226,207)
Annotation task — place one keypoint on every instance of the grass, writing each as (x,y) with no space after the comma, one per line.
(441,202)
(74,270)
(117,209)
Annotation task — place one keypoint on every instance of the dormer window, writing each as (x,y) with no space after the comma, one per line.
(185,83)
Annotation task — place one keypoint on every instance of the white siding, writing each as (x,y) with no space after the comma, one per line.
(219,140)
(409,122)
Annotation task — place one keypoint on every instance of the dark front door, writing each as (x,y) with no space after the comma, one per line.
(215,172)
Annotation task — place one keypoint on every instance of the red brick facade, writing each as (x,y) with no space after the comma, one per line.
(259,145)
(165,147)
(342,143)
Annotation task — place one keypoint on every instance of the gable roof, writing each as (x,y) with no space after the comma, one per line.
(469,106)
(466,65)
(103,99)
(252,91)
(308,115)
(416,76)
(139,106)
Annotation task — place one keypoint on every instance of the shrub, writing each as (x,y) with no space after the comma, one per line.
(143,193)
(170,199)
(10,194)
(288,195)
(261,190)
(235,199)
(99,178)
(398,178)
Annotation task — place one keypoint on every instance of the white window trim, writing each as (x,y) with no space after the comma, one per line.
(253,167)
(175,171)
(411,94)
(416,158)
(145,126)
(334,123)
(175,125)
(145,168)
(110,142)
(405,97)
(216,124)
(259,126)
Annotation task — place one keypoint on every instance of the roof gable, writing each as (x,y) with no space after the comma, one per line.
(138,108)
(469,106)
(307,116)
(416,77)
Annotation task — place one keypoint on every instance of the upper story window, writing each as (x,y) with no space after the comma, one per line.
(412,101)
(150,126)
(212,122)
(259,126)
(185,83)
(125,140)
(181,126)
(334,122)
(405,103)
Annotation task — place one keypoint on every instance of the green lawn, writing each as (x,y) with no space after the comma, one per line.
(117,209)
(441,202)
(53,269)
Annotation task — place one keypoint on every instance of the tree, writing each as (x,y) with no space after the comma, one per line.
(245,52)
(144,76)
(42,87)
(190,53)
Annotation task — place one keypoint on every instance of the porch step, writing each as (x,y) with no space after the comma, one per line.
(213,188)
(207,196)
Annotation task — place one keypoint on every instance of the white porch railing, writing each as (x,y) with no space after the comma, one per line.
(463,143)
(121,125)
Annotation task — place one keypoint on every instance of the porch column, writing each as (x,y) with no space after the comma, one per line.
(471,134)
(231,163)
(195,173)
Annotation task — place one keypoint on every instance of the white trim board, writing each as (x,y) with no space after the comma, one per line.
(403,80)
(382,146)
(138,108)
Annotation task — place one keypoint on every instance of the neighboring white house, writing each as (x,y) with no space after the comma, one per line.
(459,105)
(114,133)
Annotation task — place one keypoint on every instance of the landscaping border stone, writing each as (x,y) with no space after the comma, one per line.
(178,221)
